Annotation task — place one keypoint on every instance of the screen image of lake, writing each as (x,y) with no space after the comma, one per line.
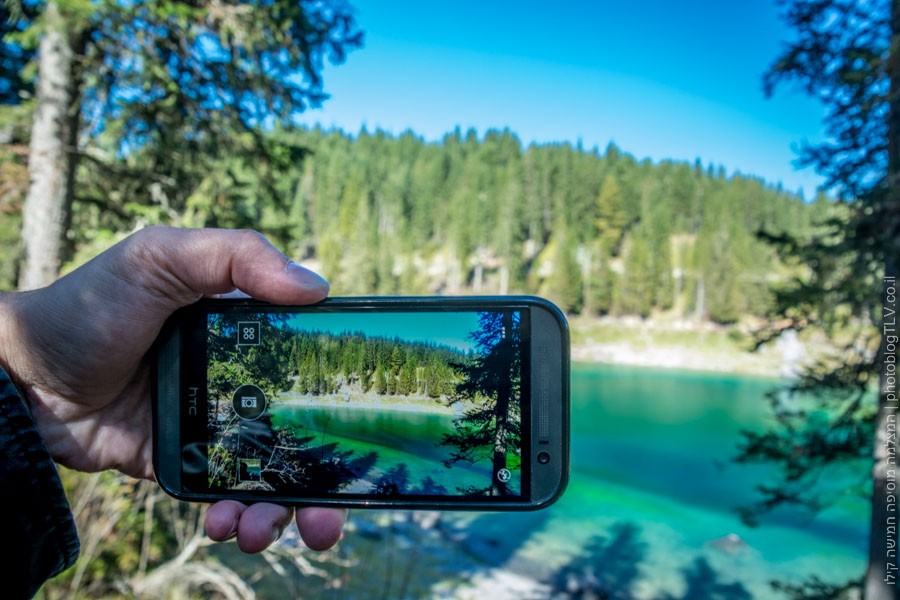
(405,445)
(650,509)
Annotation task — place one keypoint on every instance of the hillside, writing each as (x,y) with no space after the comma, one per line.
(598,232)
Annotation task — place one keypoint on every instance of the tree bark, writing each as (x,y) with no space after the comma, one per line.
(52,159)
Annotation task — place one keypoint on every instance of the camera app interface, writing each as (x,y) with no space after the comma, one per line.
(387,404)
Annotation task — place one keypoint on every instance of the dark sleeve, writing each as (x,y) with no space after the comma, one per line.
(39,534)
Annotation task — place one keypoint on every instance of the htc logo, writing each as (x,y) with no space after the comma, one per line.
(192,401)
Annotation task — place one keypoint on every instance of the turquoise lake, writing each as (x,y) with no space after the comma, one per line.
(404,440)
(650,456)
(649,513)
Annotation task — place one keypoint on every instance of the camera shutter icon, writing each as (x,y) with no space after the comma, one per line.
(249,402)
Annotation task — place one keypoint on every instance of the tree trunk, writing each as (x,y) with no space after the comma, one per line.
(881,581)
(587,270)
(504,278)
(700,299)
(52,160)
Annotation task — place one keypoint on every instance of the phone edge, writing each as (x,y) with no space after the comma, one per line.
(169,334)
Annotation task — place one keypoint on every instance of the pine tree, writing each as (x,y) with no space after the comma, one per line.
(379,381)
(846,54)
(491,431)
(659,239)
(187,61)
(635,293)
(563,285)
(406,383)
(611,216)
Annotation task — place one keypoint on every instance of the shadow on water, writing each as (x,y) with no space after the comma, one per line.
(431,487)
(703,584)
(396,481)
(328,468)
(608,567)
(495,538)
(409,554)
(612,564)
(290,463)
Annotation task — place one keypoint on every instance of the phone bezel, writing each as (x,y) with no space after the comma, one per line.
(548,374)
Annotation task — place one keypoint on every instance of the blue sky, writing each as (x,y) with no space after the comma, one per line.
(444,328)
(660,79)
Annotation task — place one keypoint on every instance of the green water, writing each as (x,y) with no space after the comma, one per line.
(650,450)
(404,442)
(651,492)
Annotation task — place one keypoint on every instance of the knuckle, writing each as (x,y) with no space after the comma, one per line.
(250,238)
(145,247)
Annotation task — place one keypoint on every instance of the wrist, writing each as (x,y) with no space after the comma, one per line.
(17,344)
(20,337)
(10,340)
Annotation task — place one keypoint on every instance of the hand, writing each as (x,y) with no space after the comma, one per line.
(77,350)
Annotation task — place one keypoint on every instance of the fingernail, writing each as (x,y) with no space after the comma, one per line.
(276,534)
(311,279)
(233,530)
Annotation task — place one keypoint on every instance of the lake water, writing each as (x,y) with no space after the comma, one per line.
(649,512)
(405,443)
(652,498)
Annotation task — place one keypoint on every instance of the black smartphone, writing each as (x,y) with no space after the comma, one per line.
(400,402)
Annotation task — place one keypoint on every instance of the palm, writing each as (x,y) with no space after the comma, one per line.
(90,390)
(86,372)
(78,349)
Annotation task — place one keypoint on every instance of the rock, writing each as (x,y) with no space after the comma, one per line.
(731,543)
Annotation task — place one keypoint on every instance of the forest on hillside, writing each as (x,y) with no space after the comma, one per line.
(312,362)
(598,232)
(327,363)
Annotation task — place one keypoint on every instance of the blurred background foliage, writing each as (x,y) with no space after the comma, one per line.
(184,114)
(597,232)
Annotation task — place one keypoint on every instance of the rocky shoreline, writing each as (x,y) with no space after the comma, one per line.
(688,346)
(358,401)
(680,357)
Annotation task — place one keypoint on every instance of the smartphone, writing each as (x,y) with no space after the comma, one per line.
(382,402)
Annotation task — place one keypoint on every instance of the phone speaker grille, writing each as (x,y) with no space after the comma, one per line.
(544,420)
(543,392)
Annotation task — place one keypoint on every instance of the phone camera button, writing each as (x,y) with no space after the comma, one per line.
(249,402)
(543,457)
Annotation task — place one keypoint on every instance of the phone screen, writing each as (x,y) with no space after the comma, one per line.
(407,405)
